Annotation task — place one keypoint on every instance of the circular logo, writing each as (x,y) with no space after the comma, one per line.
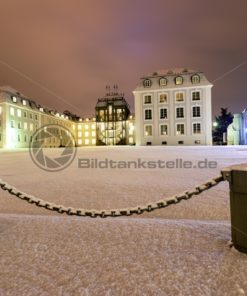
(52,147)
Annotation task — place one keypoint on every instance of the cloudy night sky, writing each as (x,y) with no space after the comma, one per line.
(71,49)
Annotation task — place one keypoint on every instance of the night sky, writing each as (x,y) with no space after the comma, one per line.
(71,49)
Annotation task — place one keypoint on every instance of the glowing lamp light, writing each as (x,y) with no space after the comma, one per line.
(215,124)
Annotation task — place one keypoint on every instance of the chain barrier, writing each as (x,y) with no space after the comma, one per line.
(113,212)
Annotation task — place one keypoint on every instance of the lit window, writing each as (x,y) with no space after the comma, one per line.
(148,130)
(41,109)
(163,81)
(79,127)
(195,79)
(14,99)
(163,129)
(196,128)
(18,112)
(25,126)
(31,127)
(93,134)
(180,112)
(79,134)
(179,97)
(86,126)
(73,126)
(196,111)
(163,98)
(24,102)
(131,140)
(79,142)
(93,126)
(86,142)
(12,111)
(93,141)
(163,113)
(86,134)
(180,129)
(178,80)
(196,96)
(148,114)
(147,83)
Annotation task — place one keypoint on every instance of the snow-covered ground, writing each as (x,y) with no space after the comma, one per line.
(181,250)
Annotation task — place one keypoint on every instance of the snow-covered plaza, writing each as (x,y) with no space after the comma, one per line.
(180,250)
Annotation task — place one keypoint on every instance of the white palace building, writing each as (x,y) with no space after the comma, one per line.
(171,108)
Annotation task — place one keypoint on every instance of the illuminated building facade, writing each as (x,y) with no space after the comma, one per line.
(173,107)
(20,117)
(112,118)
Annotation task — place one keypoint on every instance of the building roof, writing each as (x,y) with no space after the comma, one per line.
(170,75)
(7,93)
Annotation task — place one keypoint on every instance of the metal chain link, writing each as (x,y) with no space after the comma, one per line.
(113,212)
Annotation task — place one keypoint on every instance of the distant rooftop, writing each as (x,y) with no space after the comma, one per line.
(172,71)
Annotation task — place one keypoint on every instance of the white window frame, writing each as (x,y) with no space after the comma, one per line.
(194,76)
(167,129)
(145,85)
(193,128)
(162,103)
(178,92)
(161,80)
(144,131)
(144,114)
(166,113)
(177,129)
(176,112)
(197,106)
(175,80)
(193,91)
(143,100)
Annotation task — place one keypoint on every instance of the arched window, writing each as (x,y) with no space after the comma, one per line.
(147,83)
(195,79)
(163,81)
(178,80)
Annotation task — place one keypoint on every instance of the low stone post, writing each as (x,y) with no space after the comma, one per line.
(237,177)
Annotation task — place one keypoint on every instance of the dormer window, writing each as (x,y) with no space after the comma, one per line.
(147,83)
(179,80)
(14,99)
(24,102)
(163,81)
(41,109)
(195,79)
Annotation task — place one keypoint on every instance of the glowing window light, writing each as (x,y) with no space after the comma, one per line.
(14,99)
(93,141)
(86,134)
(25,125)
(79,127)
(131,140)
(93,126)
(86,142)
(24,102)
(18,112)
(79,134)
(12,111)
(31,127)
(79,142)
(10,138)
(86,126)
(93,134)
